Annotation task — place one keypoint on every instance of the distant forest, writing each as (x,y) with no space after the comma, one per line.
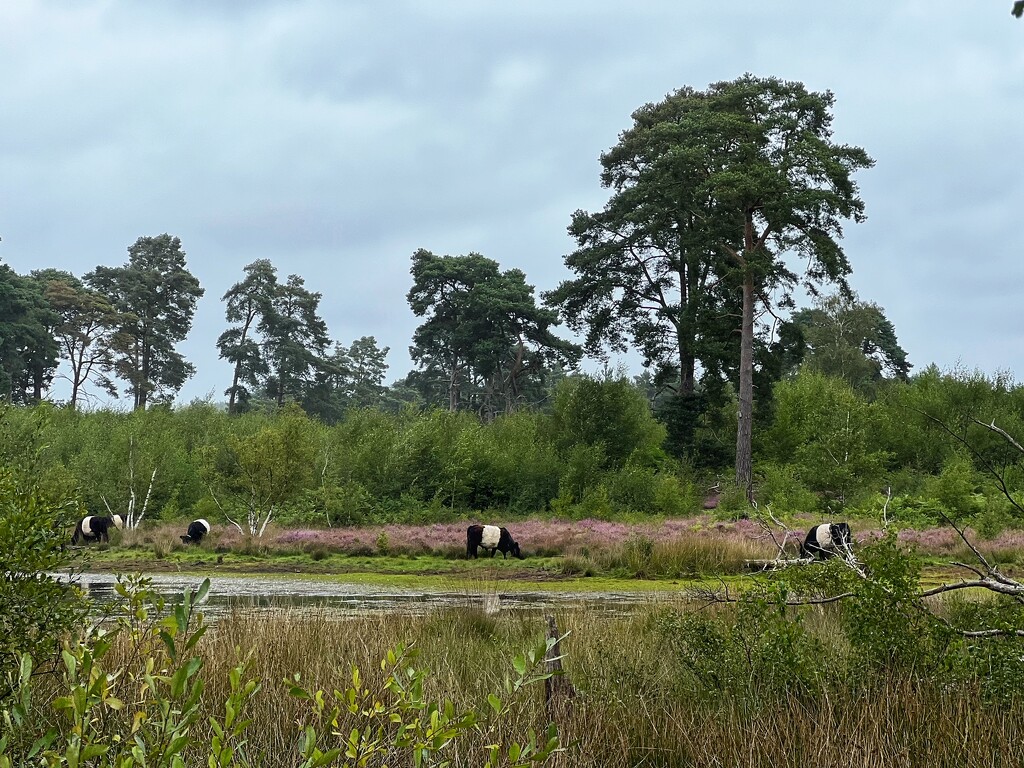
(714,195)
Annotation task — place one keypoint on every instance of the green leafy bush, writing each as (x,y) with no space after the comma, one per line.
(884,621)
(780,487)
(36,609)
(761,652)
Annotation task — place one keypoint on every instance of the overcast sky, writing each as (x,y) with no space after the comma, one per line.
(335,138)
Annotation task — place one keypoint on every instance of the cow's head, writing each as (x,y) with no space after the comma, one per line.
(515,551)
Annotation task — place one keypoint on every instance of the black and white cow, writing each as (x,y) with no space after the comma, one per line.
(95,528)
(826,540)
(493,538)
(196,530)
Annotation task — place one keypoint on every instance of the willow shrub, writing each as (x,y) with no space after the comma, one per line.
(759,653)
(36,508)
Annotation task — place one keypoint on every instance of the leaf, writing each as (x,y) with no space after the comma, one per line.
(495,703)
(519,664)
(203,591)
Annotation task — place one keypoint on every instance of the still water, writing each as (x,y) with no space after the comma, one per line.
(253,593)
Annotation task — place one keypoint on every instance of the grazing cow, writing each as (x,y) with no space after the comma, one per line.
(493,538)
(826,540)
(95,528)
(196,530)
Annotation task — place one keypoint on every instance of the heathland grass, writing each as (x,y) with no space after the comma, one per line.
(584,554)
(642,698)
(869,682)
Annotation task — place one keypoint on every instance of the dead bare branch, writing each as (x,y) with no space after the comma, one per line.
(990,632)
(710,596)
(1013,589)
(1001,431)
(223,511)
(989,467)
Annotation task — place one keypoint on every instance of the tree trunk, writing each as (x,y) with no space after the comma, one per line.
(141,392)
(37,384)
(233,390)
(453,389)
(233,397)
(77,379)
(744,431)
(686,334)
(687,372)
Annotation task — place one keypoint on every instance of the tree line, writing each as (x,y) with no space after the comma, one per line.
(723,202)
(922,450)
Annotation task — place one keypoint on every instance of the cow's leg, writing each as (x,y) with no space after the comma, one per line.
(493,551)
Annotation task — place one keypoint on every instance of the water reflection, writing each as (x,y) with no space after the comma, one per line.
(252,593)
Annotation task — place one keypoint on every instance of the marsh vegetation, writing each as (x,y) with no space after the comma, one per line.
(674,683)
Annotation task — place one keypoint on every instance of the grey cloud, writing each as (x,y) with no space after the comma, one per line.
(335,138)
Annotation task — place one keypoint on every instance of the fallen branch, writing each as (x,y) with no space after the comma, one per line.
(1013,589)
(711,597)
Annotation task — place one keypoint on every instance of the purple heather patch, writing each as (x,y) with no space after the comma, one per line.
(561,536)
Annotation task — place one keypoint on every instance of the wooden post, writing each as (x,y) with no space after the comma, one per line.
(557,688)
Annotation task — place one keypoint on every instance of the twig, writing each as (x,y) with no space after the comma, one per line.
(1000,431)
(977,454)
(224,511)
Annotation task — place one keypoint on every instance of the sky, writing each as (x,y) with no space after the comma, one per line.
(336,138)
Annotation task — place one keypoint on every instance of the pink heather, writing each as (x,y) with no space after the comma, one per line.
(560,536)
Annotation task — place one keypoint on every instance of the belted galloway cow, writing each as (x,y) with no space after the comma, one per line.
(826,540)
(493,538)
(95,528)
(196,530)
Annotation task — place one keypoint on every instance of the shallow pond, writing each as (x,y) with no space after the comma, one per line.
(255,593)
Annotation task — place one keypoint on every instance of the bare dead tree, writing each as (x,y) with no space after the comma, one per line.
(885,507)
(133,513)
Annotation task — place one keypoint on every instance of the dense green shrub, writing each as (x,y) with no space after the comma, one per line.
(884,621)
(611,414)
(825,431)
(36,609)
(821,445)
(760,652)
(781,488)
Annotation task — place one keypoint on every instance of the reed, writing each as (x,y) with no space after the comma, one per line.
(637,703)
(683,555)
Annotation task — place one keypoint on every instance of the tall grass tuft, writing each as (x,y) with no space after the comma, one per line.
(685,555)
